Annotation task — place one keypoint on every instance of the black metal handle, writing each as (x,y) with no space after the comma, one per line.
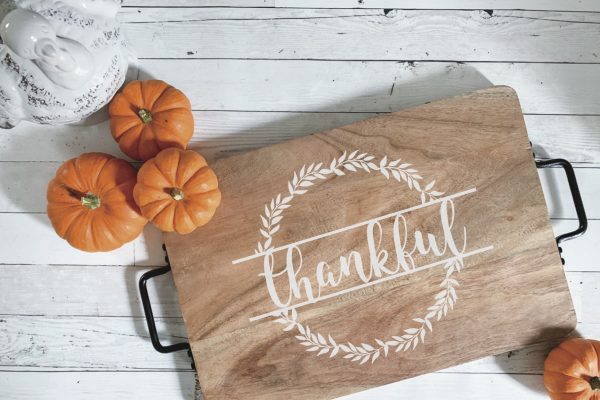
(583,223)
(150,315)
(158,346)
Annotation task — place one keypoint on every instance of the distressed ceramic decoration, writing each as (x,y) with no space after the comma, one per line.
(60,61)
(371,253)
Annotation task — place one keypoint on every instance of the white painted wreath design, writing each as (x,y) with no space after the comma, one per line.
(316,342)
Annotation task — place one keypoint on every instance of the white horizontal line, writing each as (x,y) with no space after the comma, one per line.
(356,225)
(364,285)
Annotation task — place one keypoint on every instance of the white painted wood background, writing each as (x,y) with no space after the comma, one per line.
(259,72)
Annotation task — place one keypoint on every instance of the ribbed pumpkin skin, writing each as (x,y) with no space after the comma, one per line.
(572,369)
(177,191)
(169,111)
(114,222)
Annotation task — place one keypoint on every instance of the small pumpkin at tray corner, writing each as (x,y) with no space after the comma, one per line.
(572,370)
(90,202)
(149,116)
(177,191)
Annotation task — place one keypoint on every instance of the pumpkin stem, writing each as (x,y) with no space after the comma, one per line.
(177,194)
(145,115)
(90,200)
(595,383)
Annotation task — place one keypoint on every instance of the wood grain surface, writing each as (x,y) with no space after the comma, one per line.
(351,34)
(580,5)
(510,296)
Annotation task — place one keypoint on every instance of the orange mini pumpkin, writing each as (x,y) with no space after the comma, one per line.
(177,191)
(148,116)
(572,370)
(90,202)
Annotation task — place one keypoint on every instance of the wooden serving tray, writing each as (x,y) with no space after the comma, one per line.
(371,253)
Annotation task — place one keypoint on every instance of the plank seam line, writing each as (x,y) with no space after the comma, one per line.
(341,17)
(88,316)
(70,370)
(250,19)
(361,8)
(404,61)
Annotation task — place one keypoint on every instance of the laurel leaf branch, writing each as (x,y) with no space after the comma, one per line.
(270,225)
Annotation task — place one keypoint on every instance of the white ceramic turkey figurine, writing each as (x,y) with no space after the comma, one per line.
(60,60)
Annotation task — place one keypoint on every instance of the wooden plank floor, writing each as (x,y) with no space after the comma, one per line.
(259,72)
